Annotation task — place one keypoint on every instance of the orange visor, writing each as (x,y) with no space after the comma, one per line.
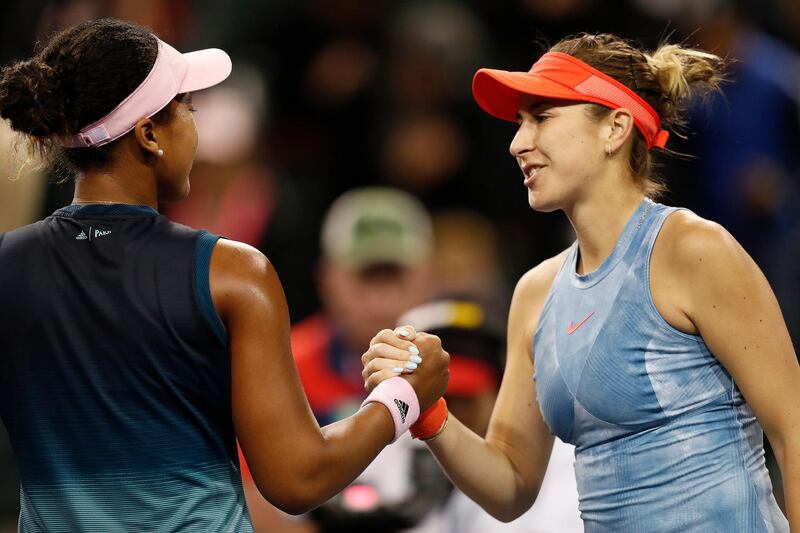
(563,77)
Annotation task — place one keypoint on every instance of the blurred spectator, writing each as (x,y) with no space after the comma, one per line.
(376,249)
(745,172)
(467,258)
(168,18)
(21,181)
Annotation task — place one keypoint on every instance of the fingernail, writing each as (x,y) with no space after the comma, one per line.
(411,366)
(397,370)
(415,359)
(403,332)
(413,349)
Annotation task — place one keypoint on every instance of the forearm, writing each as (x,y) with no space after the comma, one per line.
(320,465)
(350,445)
(482,471)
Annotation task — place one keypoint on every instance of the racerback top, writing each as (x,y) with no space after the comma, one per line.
(115,377)
(664,440)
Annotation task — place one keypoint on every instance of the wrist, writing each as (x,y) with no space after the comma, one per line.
(399,397)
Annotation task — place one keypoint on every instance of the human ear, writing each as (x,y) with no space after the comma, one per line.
(145,134)
(620,122)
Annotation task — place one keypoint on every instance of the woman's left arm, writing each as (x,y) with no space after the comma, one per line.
(725,296)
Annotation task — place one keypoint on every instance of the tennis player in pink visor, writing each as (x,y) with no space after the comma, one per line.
(136,350)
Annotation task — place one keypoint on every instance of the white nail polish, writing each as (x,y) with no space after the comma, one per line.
(403,332)
(411,366)
(415,359)
(413,349)
(398,370)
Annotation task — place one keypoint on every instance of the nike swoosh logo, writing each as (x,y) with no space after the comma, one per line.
(572,328)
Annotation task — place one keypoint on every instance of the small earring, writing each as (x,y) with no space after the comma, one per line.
(160,153)
(608,149)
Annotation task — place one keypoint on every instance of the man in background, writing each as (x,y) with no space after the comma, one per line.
(375,265)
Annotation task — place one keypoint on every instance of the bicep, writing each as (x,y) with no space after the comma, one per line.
(270,411)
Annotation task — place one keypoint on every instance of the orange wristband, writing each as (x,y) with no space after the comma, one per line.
(431,421)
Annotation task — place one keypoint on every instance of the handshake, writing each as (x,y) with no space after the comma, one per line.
(407,371)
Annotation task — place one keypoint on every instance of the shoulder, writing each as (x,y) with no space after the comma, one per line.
(242,277)
(238,259)
(697,260)
(530,294)
(535,283)
(21,240)
(692,244)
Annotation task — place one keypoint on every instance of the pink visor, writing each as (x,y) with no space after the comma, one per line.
(173,73)
(563,77)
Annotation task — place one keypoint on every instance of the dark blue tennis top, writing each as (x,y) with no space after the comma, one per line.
(115,383)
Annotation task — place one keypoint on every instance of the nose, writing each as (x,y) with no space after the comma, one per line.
(523,141)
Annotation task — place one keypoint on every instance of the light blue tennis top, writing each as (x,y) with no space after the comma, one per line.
(664,439)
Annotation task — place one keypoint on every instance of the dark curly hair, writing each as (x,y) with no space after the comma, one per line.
(79,76)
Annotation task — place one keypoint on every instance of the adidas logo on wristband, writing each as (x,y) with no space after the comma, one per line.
(403,407)
(400,400)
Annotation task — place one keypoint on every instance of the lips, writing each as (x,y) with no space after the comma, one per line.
(530,171)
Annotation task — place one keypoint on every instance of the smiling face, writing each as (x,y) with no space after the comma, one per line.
(559,147)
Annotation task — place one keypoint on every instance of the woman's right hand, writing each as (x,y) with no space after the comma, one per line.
(393,354)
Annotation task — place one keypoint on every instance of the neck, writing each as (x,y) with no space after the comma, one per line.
(116,186)
(598,222)
(128,179)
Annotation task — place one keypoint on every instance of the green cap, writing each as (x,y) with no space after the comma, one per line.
(373,225)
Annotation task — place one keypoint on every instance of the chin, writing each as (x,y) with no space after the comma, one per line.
(185,192)
(540,204)
(174,195)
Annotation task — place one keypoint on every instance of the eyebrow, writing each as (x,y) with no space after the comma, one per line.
(534,107)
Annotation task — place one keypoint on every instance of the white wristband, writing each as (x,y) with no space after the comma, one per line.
(399,397)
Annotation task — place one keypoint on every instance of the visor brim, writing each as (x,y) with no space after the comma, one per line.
(499,92)
(206,68)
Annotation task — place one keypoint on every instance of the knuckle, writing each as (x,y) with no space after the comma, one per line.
(375,350)
(378,337)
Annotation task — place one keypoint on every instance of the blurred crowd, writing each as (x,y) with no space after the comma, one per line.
(372,98)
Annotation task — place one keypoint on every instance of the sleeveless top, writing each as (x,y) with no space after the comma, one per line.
(115,377)
(664,439)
